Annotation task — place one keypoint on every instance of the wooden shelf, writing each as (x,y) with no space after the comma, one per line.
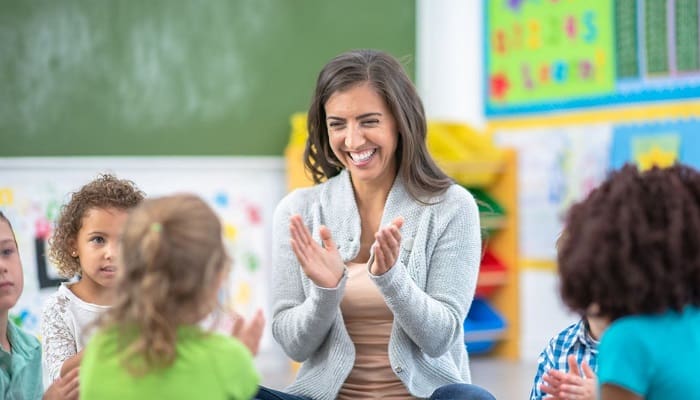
(504,244)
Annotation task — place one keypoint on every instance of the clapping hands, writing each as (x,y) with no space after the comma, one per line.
(562,385)
(249,331)
(322,264)
(386,247)
(65,387)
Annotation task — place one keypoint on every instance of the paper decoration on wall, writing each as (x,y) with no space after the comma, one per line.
(242,294)
(552,54)
(657,143)
(6,197)
(661,151)
(556,167)
(242,192)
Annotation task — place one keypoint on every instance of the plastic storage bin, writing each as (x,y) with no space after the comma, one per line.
(492,275)
(482,328)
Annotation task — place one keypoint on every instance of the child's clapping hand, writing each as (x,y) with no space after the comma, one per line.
(249,331)
(571,385)
(65,388)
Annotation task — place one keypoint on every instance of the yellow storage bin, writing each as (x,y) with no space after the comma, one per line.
(468,156)
(297,176)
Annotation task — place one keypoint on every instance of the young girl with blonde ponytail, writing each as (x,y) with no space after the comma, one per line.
(150,345)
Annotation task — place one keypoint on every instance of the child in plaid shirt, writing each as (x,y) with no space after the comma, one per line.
(567,365)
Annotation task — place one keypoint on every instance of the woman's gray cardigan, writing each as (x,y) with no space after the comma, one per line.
(429,289)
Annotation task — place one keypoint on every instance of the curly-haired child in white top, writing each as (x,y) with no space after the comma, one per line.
(84,244)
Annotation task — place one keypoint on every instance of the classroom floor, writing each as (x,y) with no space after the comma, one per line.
(505,379)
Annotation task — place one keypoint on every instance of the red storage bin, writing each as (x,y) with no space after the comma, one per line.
(492,275)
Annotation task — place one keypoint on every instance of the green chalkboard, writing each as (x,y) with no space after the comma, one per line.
(175,77)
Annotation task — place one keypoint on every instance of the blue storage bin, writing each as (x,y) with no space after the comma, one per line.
(483,327)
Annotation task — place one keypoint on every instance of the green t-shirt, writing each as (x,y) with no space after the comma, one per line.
(207,366)
(20,370)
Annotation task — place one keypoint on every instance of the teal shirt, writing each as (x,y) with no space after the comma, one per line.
(207,366)
(653,356)
(20,370)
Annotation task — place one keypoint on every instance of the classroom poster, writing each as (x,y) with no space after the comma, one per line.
(543,55)
(556,167)
(659,143)
(242,191)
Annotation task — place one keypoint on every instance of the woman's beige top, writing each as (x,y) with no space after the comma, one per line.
(368,321)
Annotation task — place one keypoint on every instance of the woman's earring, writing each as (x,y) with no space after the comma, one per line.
(74,254)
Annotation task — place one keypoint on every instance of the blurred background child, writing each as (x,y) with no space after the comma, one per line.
(152,345)
(567,365)
(631,254)
(84,245)
(20,353)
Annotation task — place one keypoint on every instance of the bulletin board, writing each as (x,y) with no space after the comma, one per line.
(243,191)
(658,142)
(557,166)
(542,55)
(560,160)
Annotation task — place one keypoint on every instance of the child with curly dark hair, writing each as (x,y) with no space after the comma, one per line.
(84,244)
(631,253)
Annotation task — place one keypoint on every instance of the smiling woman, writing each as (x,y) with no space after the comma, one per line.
(362,134)
(387,241)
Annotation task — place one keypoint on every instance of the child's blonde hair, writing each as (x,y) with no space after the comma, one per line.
(106,191)
(174,260)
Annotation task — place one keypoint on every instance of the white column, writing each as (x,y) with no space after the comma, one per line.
(449,59)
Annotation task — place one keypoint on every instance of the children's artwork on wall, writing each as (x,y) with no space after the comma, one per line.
(542,55)
(243,191)
(657,143)
(559,162)
(556,167)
